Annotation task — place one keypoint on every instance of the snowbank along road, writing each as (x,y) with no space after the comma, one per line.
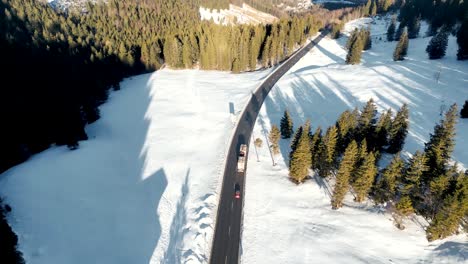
(229,220)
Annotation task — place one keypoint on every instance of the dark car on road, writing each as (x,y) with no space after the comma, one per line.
(237,191)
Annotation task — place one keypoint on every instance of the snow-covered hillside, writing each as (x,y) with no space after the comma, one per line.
(237,15)
(144,188)
(285,223)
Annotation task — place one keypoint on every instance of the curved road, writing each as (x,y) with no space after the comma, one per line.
(227,235)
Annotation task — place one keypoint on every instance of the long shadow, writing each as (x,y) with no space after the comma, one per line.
(106,197)
(332,56)
(457,250)
(175,251)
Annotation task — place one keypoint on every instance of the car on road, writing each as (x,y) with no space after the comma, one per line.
(242,157)
(237,191)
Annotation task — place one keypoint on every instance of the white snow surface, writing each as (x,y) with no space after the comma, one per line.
(237,15)
(286,223)
(144,188)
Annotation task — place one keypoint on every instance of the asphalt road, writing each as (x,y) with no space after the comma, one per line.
(228,228)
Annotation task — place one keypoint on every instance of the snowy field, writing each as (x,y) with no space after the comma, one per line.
(237,15)
(285,223)
(144,188)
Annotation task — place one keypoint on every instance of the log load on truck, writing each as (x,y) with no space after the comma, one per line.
(242,157)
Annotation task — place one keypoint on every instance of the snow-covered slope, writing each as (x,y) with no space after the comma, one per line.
(144,188)
(236,15)
(285,223)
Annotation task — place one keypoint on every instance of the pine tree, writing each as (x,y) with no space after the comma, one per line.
(455,207)
(404,206)
(343,176)
(295,141)
(391,175)
(441,143)
(346,124)
(366,11)
(327,158)
(437,45)
(462,40)
(355,51)
(286,125)
(413,27)
(411,180)
(274,138)
(401,48)
(464,111)
(367,120)
(301,158)
(373,10)
(352,38)
(401,28)
(365,176)
(316,147)
(382,129)
(366,35)
(391,30)
(398,130)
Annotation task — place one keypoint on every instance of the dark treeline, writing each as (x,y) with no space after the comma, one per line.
(427,184)
(60,65)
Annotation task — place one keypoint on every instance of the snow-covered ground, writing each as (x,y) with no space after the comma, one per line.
(237,15)
(285,223)
(144,188)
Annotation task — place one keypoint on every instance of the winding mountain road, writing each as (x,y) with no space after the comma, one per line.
(228,229)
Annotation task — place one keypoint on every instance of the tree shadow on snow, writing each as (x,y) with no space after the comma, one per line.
(456,251)
(175,252)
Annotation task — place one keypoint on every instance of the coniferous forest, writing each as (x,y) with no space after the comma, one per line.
(349,152)
(72,59)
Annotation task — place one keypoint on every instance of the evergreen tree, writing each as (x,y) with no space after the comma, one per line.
(413,27)
(437,45)
(404,206)
(391,175)
(346,124)
(373,10)
(286,125)
(441,143)
(355,51)
(301,157)
(352,38)
(464,111)
(401,28)
(365,176)
(343,176)
(297,136)
(274,138)
(316,147)
(455,208)
(462,40)
(367,39)
(367,121)
(401,48)
(382,129)
(391,30)
(398,130)
(411,180)
(327,158)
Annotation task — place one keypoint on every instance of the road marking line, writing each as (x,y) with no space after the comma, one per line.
(225,260)
(229,231)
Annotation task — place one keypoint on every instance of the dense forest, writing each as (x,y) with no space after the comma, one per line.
(71,59)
